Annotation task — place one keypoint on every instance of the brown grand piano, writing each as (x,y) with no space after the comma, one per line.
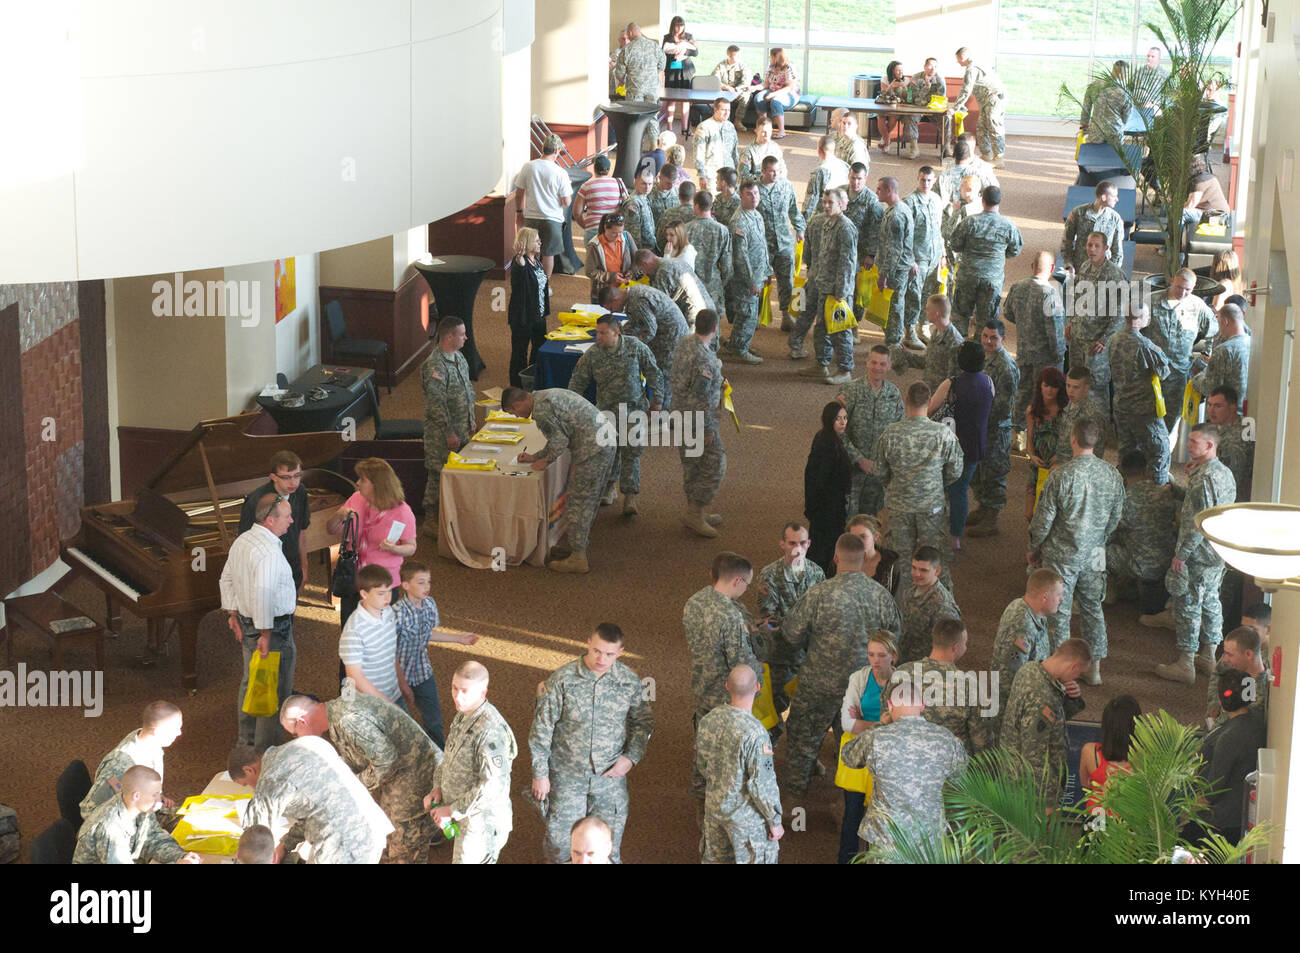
(141,552)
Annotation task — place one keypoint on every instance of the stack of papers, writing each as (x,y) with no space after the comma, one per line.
(501,417)
(592,308)
(490,436)
(580,348)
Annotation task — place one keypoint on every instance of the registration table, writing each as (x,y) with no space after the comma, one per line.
(511,508)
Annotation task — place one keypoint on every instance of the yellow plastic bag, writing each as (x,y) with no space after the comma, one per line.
(1191,405)
(620,89)
(878,307)
(583,319)
(798,256)
(501,417)
(938,101)
(496,436)
(1212,229)
(210,823)
(1161,409)
(862,288)
(765,305)
(797,301)
(1079,140)
(838,315)
(728,404)
(942,277)
(1043,473)
(456,462)
(569,332)
(643,280)
(764,706)
(851,779)
(262,700)
(959,124)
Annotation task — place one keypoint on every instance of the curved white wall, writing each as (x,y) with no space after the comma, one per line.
(153,136)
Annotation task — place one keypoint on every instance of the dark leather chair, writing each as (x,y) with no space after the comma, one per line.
(407,429)
(70,790)
(343,347)
(56,844)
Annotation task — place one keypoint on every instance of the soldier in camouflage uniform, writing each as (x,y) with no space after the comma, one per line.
(989,93)
(909,759)
(123,829)
(1133,360)
(916,459)
(939,361)
(864,209)
(873,404)
(639,67)
(662,198)
(679,214)
(697,386)
(1098,216)
(653,318)
(676,279)
(448,408)
(569,422)
(1196,571)
(160,726)
(1077,513)
(638,220)
(941,680)
(1100,304)
(1178,320)
(716,146)
(892,255)
(1106,106)
(927,251)
(1242,650)
(733,754)
(750,268)
(1229,363)
(925,85)
(989,484)
(1022,633)
(726,201)
(985,241)
(784,225)
(712,241)
(1235,450)
(964,165)
(1082,406)
(472,784)
(781,584)
(851,148)
(833,623)
(389,753)
(751,158)
(831,252)
(590,728)
(1143,544)
(922,601)
(305,781)
(618,364)
(1034,306)
(1044,696)
(832,172)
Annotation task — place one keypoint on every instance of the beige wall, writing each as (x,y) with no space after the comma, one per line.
(250,341)
(570,60)
(367,265)
(644,13)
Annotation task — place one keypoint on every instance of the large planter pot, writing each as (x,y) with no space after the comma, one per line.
(1206,287)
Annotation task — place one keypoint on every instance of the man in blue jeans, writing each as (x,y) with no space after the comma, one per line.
(259,597)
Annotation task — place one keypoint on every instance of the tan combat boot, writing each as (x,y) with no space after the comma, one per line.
(818,371)
(576,562)
(1182,669)
(695,522)
(1093,675)
(987,525)
(1205,660)
(1160,620)
(713,519)
(629,504)
(611,494)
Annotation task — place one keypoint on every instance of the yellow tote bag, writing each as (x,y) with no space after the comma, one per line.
(578,318)
(728,404)
(764,707)
(1161,409)
(862,288)
(838,316)
(797,301)
(798,256)
(210,823)
(959,124)
(1043,473)
(878,307)
(942,278)
(850,779)
(1191,405)
(456,462)
(938,101)
(765,305)
(262,699)
(1079,140)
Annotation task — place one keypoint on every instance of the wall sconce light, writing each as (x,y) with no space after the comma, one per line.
(1257,539)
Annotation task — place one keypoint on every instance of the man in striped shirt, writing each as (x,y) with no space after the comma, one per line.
(258,594)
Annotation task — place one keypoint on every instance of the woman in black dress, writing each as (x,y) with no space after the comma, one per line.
(530,302)
(826,481)
(679,71)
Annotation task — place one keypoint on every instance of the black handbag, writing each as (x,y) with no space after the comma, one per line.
(344,582)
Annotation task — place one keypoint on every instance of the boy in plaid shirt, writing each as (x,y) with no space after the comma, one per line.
(416,615)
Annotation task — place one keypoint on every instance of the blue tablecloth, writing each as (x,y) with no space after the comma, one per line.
(555,366)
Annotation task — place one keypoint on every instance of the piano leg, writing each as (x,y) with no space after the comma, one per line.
(187,629)
(113,616)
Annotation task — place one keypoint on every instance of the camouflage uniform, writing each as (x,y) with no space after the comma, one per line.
(920,610)
(832,173)
(448,409)
(870,412)
(659,201)
(395,760)
(938,361)
(653,318)
(725,208)
(777,205)
(851,149)
(1088,409)
(715,148)
(1034,725)
(989,484)
(1198,613)
(990,128)
(1022,637)
(618,372)
(1175,328)
(965,722)
(1105,110)
(682,214)
(676,279)
(582,725)
(129,752)
(718,640)
(733,754)
(916,459)
(1229,366)
(1080,223)
(909,760)
(865,212)
(569,422)
(697,384)
(751,161)
(306,781)
(1034,306)
(779,589)
(112,835)
(475,781)
(1077,512)
(638,220)
(893,257)
(712,241)
(749,269)
(927,249)
(1133,359)
(830,248)
(833,622)
(985,242)
(1237,454)
(1148,83)
(949,183)
(922,89)
(1100,299)
(637,67)
(1143,544)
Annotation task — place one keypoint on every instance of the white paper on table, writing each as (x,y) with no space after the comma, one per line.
(434,261)
(580,348)
(507,428)
(395,531)
(590,308)
(270,390)
(485,448)
(492,393)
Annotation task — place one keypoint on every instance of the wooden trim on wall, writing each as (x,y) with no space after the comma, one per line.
(394,317)
(486,228)
(15,514)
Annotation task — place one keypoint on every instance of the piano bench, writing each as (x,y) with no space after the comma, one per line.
(41,614)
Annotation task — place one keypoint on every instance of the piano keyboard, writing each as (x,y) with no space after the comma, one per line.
(117,582)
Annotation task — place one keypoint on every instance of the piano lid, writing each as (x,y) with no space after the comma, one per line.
(234,454)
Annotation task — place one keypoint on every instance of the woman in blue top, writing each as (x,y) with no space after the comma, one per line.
(865,706)
(971,396)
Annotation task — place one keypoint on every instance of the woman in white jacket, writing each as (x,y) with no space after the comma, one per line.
(865,706)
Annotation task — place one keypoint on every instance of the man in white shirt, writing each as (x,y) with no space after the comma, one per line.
(544,194)
(258,594)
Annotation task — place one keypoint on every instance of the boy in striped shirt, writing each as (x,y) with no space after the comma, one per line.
(368,645)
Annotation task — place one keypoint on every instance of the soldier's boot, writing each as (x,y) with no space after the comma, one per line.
(987,526)
(1160,620)
(576,562)
(629,504)
(923,331)
(561,549)
(1182,669)
(749,357)
(818,371)
(997,161)
(695,522)
(1205,659)
(713,519)
(911,149)
(986,156)
(1093,675)
(798,353)
(430,526)
(841,376)
(1112,590)
(611,494)
(912,341)
(787,322)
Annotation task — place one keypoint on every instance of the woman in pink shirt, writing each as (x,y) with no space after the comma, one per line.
(378,503)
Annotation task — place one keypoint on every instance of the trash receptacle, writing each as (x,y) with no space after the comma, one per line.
(527,376)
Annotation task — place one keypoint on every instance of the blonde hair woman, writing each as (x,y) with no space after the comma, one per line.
(678,245)
(865,706)
(885,562)
(378,505)
(780,91)
(530,302)
(1226,270)
(677,156)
